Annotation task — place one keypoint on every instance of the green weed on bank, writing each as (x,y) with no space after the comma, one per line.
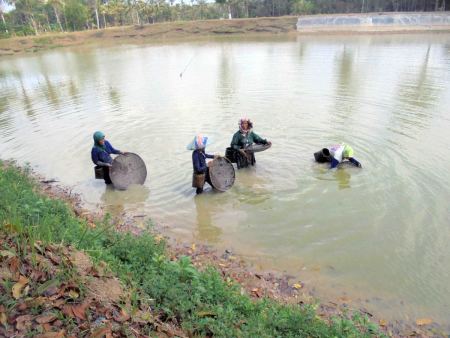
(202,303)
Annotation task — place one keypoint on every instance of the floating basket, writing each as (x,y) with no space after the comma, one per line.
(128,169)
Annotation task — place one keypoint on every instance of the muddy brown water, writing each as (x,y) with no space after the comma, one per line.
(380,235)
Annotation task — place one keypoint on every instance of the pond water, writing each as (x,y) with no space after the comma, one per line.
(378,235)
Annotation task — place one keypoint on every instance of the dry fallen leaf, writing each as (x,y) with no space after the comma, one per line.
(79,310)
(123,316)
(67,310)
(6,253)
(202,314)
(24,322)
(43,319)
(3,318)
(59,334)
(35,302)
(424,321)
(73,294)
(19,286)
(382,322)
(101,332)
(14,264)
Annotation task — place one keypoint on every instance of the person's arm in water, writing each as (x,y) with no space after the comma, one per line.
(334,163)
(355,162)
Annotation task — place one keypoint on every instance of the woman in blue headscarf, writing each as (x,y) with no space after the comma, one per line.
(199,156)
(101,154)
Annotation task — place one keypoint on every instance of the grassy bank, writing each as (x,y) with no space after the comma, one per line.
(150,33)
(173,292)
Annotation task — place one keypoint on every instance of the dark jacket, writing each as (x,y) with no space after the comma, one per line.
(104,156)
(240,141)
(199,161)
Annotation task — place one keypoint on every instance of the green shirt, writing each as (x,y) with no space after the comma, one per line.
(240,141)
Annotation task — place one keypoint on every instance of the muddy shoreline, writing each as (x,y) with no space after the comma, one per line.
(274,285)
(170,32)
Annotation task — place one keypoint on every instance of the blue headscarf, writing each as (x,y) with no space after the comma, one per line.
(199,142)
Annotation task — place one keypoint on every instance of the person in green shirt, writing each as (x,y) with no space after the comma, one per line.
(242,139)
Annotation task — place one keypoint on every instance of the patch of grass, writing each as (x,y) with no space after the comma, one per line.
(43,41)
(202,303)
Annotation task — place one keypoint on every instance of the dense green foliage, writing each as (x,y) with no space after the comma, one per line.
(201,302)
(35,16)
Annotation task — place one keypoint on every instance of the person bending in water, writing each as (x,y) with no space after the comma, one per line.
(201,169)
(242,139)
(101,154)
(336,154)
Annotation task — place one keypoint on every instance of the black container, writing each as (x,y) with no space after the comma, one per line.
(322,156)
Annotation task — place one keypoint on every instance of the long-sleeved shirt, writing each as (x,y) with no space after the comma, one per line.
(241,141)
(337,156)
(199,161)
(103,155)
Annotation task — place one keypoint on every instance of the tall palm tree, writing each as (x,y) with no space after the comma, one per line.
(2,4)
(57,4)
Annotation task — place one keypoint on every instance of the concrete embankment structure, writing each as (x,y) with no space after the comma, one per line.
(375,22)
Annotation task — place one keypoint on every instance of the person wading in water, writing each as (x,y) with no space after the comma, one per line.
(101,154)
(242,139)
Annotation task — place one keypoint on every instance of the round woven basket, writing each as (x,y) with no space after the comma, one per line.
(222,175)
(128,169)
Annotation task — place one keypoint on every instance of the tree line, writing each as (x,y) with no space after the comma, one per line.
(32,17)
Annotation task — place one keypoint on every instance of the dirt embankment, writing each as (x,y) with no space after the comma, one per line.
(150,33)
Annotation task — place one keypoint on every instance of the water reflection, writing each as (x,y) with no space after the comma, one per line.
(346,88)
(27,101)
(116,201)
(342,177)
(206,208)
(417,95)
(251,188)
(225,81)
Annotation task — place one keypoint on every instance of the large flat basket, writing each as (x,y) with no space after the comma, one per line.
(256,148)
(222,175)
(128,169)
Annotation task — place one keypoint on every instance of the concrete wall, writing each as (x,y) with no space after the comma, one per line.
(373,20)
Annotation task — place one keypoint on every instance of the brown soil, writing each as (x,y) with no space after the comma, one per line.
(150,33)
